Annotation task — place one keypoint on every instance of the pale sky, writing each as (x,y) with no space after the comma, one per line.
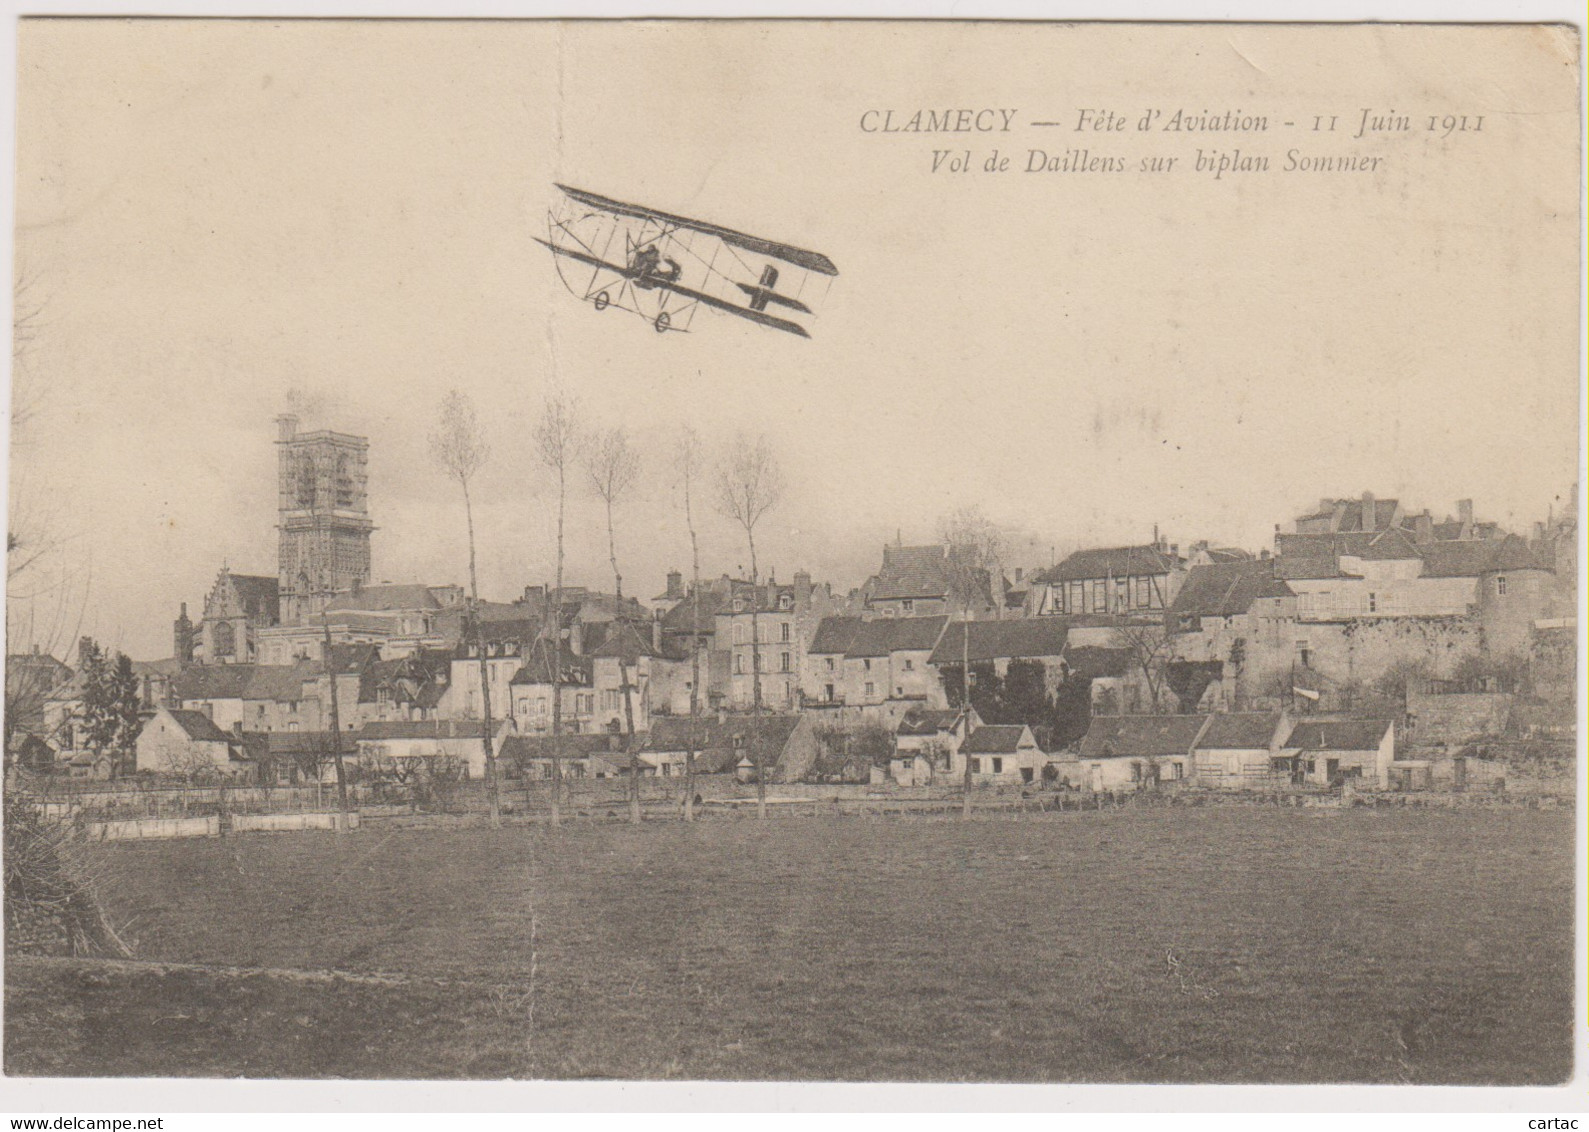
(223,218)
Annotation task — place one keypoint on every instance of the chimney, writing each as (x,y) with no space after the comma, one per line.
(182,637)
(675,584)
(1539,532)
(1019,573)
(286,427)
(1369,519)
(1465,516)
(802,583)
(1423,528)
(1326,505)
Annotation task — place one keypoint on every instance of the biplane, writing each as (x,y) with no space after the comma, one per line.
(664,267)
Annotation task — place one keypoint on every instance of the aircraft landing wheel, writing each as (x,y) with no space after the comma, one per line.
(601,300)
(662,322)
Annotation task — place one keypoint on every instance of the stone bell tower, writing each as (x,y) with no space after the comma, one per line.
(324,518)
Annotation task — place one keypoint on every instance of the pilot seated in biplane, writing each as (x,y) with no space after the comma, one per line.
(648,270)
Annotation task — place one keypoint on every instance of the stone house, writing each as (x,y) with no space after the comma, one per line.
(786,618)
(1327,752)
(926,741)
(1005,753)
(188,744)
(1242,750)
(913,582)
(1129,752)
(532,687)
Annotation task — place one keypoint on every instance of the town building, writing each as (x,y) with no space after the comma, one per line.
(189,744)
(1005,753)
(785,617)
(1110,580)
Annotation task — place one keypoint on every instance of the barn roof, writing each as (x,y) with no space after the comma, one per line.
(1245,730)
(995,739)
(998,640)
(1338,734)
(1142,736)
(1227,589)
(895,634)
(198,726)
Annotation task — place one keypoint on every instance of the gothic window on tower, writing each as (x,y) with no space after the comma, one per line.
(344,483)
(225,640)
(306,483)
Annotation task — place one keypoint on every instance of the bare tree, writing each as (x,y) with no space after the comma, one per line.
(458,445)
(687,458)
(972,550)
(749,484)
(557,443)
(1151,649)
(613,466)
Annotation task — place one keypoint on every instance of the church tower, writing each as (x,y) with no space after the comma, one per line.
(324,518)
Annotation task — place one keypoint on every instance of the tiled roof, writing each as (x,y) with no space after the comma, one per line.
(1390,545)
(212,681)
(537,669)
(386,599)
(1246,730)
(911,572)
(895,634)
(1141,736)
(421,729)
(1226,589)
(1472,557)
(995,640)
(626,641)
(197,725)
(1318,556)
(681,618)
(722,743)
(834,634)
(1091,662)
(567,746)
(928,721)
(282,683)
(995,739)
(170,666)
(1110,562)
(1338,734)
(1351,514)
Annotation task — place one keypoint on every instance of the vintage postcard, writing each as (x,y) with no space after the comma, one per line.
(800,551)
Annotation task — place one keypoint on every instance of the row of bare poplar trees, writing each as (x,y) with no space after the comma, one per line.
(747,483)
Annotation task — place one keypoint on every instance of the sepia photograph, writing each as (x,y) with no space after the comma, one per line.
(733,550)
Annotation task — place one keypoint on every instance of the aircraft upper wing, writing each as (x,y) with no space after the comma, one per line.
(811,261)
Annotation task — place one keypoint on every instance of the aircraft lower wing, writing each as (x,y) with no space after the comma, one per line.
(698,296)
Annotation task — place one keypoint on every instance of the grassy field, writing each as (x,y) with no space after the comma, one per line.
(1229,944)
